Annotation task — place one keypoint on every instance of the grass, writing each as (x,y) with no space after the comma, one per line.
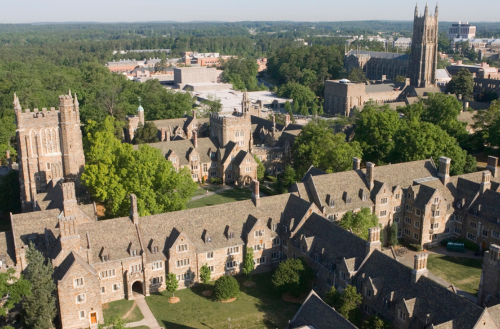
(120,308)
(141,327)
(257,307)
(236,194)
(465,273)
(203,190)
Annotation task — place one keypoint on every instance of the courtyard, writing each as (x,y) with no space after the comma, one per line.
(225,196)
(256,307)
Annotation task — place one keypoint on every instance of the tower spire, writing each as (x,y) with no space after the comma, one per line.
(416,9)
(436,11)
(426,12)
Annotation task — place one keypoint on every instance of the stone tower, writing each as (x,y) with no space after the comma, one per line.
(424,49)
(49,147)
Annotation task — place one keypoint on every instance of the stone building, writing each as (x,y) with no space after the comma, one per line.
(376,64)
(49,148)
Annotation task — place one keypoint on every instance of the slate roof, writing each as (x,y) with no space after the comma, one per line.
(7,247)
(35,225)
(315,313)
(425,297)
(68,262)
(383,87)
(312,171)
(486,206)
(494,311)
(183,148)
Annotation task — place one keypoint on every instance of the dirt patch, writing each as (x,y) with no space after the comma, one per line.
(249,284)
(174,300)
(229,300)
(105,306)
(130,311)
(292,299)
(207,293)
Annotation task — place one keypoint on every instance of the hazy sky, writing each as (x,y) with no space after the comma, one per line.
(27,11)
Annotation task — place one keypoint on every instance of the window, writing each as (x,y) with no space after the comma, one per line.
(471,237)
(231,264)
(368,293)
(108,274)
(415,236)
(409,196)
(402,315)
(116,286)
(79,282)
(435,225)
(447,230)
(133,252)
(194,158)
(473,224)
(276,241)
(396,219)
(408,220)
(195,167)
(459,219)
(260,260)
(274,227)
(397,208)
(383,201)
(367,309)
(248,160)
(80,298)
(409,208)
(183,262)
(397,196)
(211,268)
(210,255)
(383,213)
(214,165)
(495,234)
(485,232)
(213,174)
(205,167)
(157,281)
(329,282)
(342,275)
(208,239)
(365,197)
(182,248)
(417,224)
(399,232)
(458,230)
(135,268)
(47,165)
(157,265)
(248,169)
(275,255)
(194,176)
(82,314)
(105,258)
(186,276)
(285,228)
(418,212)
(407,232)
(258,247)
(435,213)
(233,250)
(103,290)
(259,233)
(436,200)
(348,200)
(385,302)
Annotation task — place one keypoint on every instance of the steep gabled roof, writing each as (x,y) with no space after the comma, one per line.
(71,260)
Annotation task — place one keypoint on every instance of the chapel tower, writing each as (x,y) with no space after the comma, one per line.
(424,49)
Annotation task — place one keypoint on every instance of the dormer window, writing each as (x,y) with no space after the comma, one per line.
(230,235)
(208,239)
(194,158)
(274,227)
(365,196)
(105,258)
(134,252)
(402,315)
(173,160)
(348,200)
(182,248)
(155,250)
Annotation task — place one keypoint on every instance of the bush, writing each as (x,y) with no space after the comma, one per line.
(216,180)
(293,276)
(226,287)
(415,247)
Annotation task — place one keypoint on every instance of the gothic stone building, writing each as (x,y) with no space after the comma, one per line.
(49,148)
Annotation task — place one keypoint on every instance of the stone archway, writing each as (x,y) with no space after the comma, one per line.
(137,288)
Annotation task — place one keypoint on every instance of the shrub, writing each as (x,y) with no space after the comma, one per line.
(415,247)
(226,287)
(293,276)
(216,180)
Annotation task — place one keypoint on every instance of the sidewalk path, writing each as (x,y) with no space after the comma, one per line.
(222,189)
(408,260)
(149,319)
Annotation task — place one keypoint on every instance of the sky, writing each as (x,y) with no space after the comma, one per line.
(29,11)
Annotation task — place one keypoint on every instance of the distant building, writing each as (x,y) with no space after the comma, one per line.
(127,65)
(376,64)
(199,79)
(461,30)
(483,70)
(442,77)
(402,43)
(202,59)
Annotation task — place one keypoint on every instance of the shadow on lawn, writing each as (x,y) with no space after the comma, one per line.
(469,262)
(171,325)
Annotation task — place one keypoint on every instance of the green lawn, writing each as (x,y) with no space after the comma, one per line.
(141,327)
(203,190)
(258,307)
(236,194)
(120,308)
(465,273)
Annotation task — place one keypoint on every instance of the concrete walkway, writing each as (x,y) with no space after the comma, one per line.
(408,260)
(149,319)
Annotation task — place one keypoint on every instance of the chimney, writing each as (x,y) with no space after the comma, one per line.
(486,181)
(384,77)
(194,115)
(370,167)
(373,240)
(255,192)
(419,267)
(492,165)
(195,137)
(494,254)
(134,214)
(287,120)
(69,200)
(444,169)
(163,134)
(407,82)
(167,138)
(356,163)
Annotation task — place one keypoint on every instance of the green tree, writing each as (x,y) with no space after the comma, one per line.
(242,73)
(9,193)
(212,104)
(205,274)
(393,234)
(292,276)
(314,109)
(357,75)
(360,222)
(374,322)
(39,307)
(171,283)
(350,299)
(226,287)
(320,111)
(114,170)
(332,298)
(304,110)
(248,264)
(486,124)
(296,106)
(400,78)
(375,128)
(319,146)
(289,176)
(261,170)
(297,92)
(12,290)
(146,134)
(462,83)
(113,323)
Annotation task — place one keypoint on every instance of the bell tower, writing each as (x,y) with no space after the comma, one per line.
(424,49)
